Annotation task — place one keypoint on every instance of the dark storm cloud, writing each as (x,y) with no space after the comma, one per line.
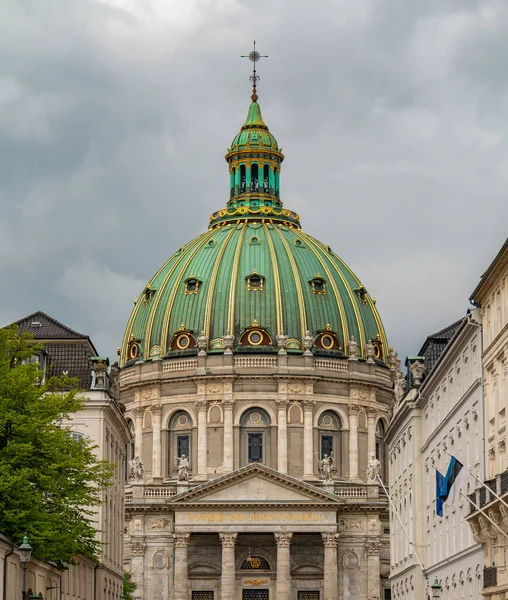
(115,117)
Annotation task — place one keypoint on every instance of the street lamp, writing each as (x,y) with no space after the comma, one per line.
(436,590)
(25,553)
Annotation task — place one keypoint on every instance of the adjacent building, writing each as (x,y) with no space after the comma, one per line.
(66,351)
(441,413)
(491,298)
(255,373)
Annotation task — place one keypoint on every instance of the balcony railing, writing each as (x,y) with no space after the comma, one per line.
(489,577)
(482,496)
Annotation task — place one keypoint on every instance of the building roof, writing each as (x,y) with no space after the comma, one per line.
(435,344)
(491,273)
(66,351)
(44,327)
(253,235)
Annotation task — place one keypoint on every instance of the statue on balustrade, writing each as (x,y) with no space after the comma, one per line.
(325,467)
(183,468)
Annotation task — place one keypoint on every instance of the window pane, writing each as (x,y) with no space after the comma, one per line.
(255,447)
(182,446)
(326,445)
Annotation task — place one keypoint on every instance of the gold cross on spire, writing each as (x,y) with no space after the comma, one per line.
(254,56)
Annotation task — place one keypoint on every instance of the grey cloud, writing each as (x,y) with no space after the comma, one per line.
(115,118)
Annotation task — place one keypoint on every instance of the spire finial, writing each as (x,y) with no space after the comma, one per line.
(254,56)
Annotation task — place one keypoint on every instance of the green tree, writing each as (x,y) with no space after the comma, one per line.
(49,482)
(129,587)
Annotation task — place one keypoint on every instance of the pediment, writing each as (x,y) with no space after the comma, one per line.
(255,484)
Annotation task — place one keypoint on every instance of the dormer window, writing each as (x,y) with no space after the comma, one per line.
(192,285)
(318,284)
(255,282)
(183,339)
(361,292)
(378,347)
(148,294)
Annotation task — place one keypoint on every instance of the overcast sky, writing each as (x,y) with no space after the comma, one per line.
(115,116)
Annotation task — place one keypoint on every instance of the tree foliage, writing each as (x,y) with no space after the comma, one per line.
(129,587)
(49,482)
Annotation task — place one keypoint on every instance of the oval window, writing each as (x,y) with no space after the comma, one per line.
(255,338)
(183,342)
(327,341)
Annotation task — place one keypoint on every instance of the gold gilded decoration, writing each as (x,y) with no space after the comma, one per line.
(255,338)
(255,581)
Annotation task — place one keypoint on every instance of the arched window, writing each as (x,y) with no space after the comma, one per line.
(380,447)
(243,179)
(266,179)
(232,182)
(276,174)
(180,441)
(255,437)
(254,186)
(329,431)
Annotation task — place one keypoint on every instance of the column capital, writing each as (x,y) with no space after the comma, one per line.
(354,409)
(137,548)
(181,540)
(330,540)
(228,403)
(201,404)
(156,408)
(371,412)
(139,411)
(228,540)
(282,403)
(373,548)
(283,540)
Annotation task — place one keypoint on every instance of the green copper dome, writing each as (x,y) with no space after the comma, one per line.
(254,282)
(254,132)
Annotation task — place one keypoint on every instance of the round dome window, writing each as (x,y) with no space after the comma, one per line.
(183,342)
(255,338)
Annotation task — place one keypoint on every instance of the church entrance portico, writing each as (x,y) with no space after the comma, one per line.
(282,544)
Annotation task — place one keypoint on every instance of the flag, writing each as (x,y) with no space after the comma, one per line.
(439,500)
(451,482)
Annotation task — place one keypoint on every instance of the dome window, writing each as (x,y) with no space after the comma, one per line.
(298,243)
(255,281)
(148,294)
(378,347)
(361,292)
(192,285)
(318,284)
(327,339)
(183,339)
(254,241)
(133,349)
(255,336)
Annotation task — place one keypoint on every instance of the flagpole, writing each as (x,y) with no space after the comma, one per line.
(480,481)
(403,528)
(484,514)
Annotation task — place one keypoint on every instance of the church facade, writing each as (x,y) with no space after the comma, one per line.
(257,382)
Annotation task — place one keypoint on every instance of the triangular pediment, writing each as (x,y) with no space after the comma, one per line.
(255,484)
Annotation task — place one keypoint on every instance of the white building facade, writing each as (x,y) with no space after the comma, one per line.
(491,298)
(442,414)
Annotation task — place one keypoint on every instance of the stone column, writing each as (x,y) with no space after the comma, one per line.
(181,581)
(282,440)
(373,548)
(353,442)
(202,441)
(156,438)
(371,433)
(138,431)
(137,567)
(331,586)
(228,435)
(283,541)
(308,441)
(228,577)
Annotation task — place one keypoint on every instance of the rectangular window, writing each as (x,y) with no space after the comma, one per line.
(255,595)
(255,447)
(182,446)
(326,445)
(202,595)
(308,595)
